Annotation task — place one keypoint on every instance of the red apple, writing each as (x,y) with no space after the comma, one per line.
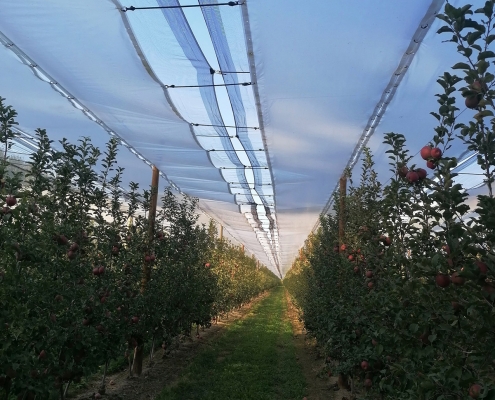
(436,153)
(442,280)
(351,258)
(135,320)
(85,322)
(147,259)
(482,267)
(365,365)
(62,240)
(6,210)
(370,285)
(456,279)
(74,247)
(456,306)
(402,171)
(96,271)
(368,383)
(412,176)
(472,102)
(11,200)
(426,152)
(374,342)
(71,255)
(152,257)
(207,265)
(101,270)
(42,355)
(446,248)
(356,270)
(329,374)
(343,247)
(421,173)
(474,391)
(115,250)
(431,164)
(369,274)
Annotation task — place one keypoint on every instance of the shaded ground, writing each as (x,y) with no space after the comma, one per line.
(319,385)
(163,371)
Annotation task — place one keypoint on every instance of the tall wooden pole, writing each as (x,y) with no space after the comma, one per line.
(343,192)
(151,220)
(221,232)
(138,350)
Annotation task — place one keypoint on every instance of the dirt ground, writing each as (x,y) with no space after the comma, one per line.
(320,386)
(162,371)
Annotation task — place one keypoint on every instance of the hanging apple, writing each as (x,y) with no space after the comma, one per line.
(426,152)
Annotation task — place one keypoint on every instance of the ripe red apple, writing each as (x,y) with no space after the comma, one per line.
(365,365)
(356,270)
(474,391)
(456,279)
(97,396)
(336,249)
(426,152)
(431,164)
(350,258)
(421,173)
(456,306)
(368,383)
(101,270)
(412,176)
(115,250)
(62,240)
(402,171)
(85,322)
(374,342)
(329,374)
(370,285)
(96,271)
(103,300)
(152,257)
(446,248)
(147,259)
(42,355)
(369,274)
(6,210)
(436,153)
(100,328)
(386,240)
(74,247)
(472,102)
(343,247)
(11,200)
(442,280)
(207,265)
(135,320)
(482,267)
(71,255)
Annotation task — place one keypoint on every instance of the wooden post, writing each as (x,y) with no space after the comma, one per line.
(151,220)
(221,232)
(243,248)
(343,190)
(139,350)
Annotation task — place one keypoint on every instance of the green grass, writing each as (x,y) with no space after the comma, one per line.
(254,359)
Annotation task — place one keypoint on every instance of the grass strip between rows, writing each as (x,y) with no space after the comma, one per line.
(254,359)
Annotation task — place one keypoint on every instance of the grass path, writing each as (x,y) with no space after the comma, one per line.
(254,359)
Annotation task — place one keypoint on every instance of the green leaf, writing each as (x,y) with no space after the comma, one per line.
(486,54)
(461,65)
(444,29)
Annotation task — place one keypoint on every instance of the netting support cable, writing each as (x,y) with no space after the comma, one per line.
(215,71)
(198,86)
(222,150)
(230,3)
(227,126)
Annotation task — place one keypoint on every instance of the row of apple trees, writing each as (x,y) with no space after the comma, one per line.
(402,302)
(85,280)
